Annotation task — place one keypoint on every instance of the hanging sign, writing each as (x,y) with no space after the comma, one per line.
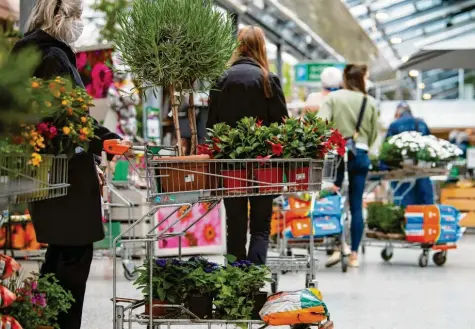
(309,73)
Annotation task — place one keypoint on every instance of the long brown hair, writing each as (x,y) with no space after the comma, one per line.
(252,44)
(354,77)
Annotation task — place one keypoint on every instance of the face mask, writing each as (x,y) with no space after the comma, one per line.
(77,28)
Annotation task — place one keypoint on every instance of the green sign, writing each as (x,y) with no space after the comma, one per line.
(309,73)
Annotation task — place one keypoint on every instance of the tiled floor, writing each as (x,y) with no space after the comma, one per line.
(378,295)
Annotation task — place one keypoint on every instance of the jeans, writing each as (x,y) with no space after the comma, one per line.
(358,168)
(421,194)
(237,226)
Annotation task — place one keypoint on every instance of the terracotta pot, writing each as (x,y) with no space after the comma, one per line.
(179,175)
(269,176)
(157,311)
(201,306)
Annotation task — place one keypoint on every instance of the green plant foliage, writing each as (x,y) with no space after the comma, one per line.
(385,218)
(15,71)
(111,10)
(175,42)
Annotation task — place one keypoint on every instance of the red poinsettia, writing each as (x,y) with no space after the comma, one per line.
(259,123)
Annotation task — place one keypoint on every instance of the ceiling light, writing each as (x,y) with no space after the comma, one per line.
(396,40)
(421,85)
(381,15)
(413,73)
(426,97)
(404,59)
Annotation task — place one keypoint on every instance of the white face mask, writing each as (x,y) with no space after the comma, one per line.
(77,27)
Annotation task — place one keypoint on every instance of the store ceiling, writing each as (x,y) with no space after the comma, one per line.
(400,28)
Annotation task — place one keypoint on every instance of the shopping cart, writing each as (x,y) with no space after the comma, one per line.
(404,179)
(20,182)
(178,182)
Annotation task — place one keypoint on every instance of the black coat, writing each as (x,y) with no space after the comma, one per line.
(74,219)
(240,93)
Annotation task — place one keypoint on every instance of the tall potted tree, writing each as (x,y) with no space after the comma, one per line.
(172,44)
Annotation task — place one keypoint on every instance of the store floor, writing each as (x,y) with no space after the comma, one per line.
(396,295)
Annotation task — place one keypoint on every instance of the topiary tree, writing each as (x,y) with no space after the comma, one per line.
(172,44)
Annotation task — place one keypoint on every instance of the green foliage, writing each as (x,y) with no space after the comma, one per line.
(111,10)
(385,218)
(390,154)
(39,302)
(15,71)
(175,42)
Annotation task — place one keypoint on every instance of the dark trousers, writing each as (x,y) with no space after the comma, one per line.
(358,168)
(71,267)
(237,226)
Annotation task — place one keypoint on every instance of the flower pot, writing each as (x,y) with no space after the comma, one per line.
(299,176)
(44,327)
(259,300)
(201,306)
(157,310)
(269,176)
(183,174)
(409,162)
(235,181)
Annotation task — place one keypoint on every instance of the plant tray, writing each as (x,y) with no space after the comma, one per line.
(385,236)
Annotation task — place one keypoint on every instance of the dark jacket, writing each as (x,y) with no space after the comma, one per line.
(240,93)
(408,123)
(74,219)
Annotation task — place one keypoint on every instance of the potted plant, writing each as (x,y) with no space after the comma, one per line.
(40,300)
(200,286)
(386,220)
(172,44)
(168,288)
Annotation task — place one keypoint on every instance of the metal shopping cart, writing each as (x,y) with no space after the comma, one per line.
(404,178)
(176,182)
(21,182)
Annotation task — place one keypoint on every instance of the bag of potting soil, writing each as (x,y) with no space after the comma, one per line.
(8,322)
(288,308)
(6,297)
(8,266)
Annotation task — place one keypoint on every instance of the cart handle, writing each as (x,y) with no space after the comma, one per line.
(115,147)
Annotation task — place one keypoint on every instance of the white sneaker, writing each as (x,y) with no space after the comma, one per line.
(354,263)
(334,259)
(346,250)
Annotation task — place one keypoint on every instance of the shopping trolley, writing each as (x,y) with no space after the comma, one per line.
(178,182)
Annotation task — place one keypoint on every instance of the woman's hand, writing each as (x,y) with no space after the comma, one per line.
(101,178)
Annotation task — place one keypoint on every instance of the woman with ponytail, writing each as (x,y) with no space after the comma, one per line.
(248,89)
(72,223)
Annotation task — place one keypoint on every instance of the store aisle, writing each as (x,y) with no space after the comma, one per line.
(399,295)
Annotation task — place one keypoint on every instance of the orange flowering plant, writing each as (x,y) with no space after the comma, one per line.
(66,124)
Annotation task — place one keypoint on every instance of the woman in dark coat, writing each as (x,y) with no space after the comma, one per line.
(248,89)
(72,223)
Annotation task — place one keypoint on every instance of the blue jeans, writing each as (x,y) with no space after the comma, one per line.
(358,168)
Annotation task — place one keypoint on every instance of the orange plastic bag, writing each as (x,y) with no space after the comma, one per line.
(8,322)
(298,209)
(6,297)
(300,227)
(8,266)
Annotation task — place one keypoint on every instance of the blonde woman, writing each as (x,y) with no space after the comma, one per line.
(70,224)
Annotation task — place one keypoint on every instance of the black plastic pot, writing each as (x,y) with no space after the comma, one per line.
(201,306)
(259,300)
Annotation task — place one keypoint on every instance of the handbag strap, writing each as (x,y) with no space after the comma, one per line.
(360,116)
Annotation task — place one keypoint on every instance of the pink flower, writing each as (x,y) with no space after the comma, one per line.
(42,128)
(208,230)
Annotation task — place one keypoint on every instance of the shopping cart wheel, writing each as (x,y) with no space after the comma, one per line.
(275,283)
(344,263)
(424,259)
(363,249)
(129,271)
(440,258)
(387,254)
(289,252)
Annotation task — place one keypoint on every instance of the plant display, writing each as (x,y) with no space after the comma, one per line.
(40,300)
(172,44)
(414,146)
(307,137)
(385,218)
(66,127)
(231,287)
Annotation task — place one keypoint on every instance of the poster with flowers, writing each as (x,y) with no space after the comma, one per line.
(96,73)
(208,236)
